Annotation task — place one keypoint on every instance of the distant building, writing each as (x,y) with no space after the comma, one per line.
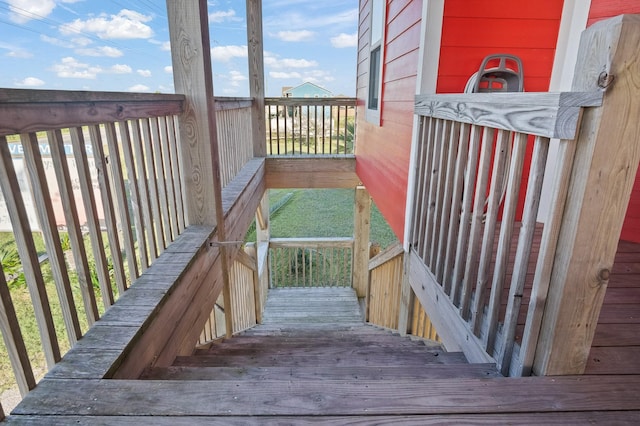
(306,90)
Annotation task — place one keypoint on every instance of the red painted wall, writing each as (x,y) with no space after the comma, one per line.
(602,9)
(383,152)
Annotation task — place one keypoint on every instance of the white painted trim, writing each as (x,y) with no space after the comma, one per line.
(428,62)
(574,20)
(374,115)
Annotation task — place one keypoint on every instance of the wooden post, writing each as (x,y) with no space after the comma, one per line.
(192,76)
(605,165)
(361,230)
(191,58)
(256,76)
(406,299)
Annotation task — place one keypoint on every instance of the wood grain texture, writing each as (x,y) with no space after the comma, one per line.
(599,192)
(301,172)
(361,232)
(553,115)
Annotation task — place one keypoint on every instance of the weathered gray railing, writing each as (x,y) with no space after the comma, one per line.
(471,243)
(90,163)
(233,121)
(310,126)
(310,262)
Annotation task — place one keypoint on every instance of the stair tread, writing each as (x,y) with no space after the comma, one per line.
(441,371)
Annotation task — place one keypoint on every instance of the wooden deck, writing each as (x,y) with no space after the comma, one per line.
(616,345)
(328,367)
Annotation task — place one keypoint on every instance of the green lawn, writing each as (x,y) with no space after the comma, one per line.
(320,213)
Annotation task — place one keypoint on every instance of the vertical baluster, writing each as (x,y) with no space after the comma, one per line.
(13,341)
(168,174)
(143,188)
(324,120)
(134,190)
(454,211)
(68,201)
(490,222)
(176,171)
(423,181)
(523,253)
(91,211)
(28,254)
(337,129)
(49,229)
(121,199)
(315,129)
(330,128)
(433,170)
(465,213)
(154,196)
(479,197)
(270,129)
(506,227)
(156,133)
(109,208)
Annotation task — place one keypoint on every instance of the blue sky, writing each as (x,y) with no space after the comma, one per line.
(124,45)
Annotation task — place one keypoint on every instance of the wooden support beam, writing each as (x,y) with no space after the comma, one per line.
(256,75)
(192,75)
(406,300)
(606,161)
(311,172)
(361,232)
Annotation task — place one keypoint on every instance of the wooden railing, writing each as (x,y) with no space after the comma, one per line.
(477,248)
(96,165)
(247,299)
(310,262)
(310,126)
(233,120)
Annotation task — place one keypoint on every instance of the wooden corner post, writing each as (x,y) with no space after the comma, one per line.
(361,231)
(256,76)
(605,166)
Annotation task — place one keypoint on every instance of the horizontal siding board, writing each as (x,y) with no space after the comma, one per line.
(408,41)
(500,33)
(464,61)
(541,9)
(403,67)
(405,20)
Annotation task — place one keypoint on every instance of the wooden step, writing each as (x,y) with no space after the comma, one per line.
(294,341)
(425,372)
(342,358)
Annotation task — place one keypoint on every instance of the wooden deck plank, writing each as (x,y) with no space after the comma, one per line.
(324,397)
(426,372)
(614,360)
(533,419)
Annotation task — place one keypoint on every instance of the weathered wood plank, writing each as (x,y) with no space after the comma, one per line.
(311,172)
(553,115)
(601,183)
(315,243)
(267,397)
(542,419)
(361,232)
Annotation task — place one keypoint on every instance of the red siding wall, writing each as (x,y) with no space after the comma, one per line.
(602,9)
(383,152)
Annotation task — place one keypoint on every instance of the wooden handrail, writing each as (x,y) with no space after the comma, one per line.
(553,115)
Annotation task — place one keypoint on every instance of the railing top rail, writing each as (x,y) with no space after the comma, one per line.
(23,111)
(226,103)
(311,101)
(74,96)
(386,255)
(553,115)
(314,242)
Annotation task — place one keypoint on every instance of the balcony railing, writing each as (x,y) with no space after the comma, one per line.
(100,176)
(310,126)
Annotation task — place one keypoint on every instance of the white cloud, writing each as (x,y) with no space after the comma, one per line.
(166,46)
(168,69)
(226,53)
(302,35)
(144,73)
(221,16)
(127,24)
(107,51)
(345,40)
(283,75)
(56,42)
(236,78)
(121,69)
(273,61)
(30,82)
(139,88)
(296,20)
(70,68)
(15,51)
(21,11)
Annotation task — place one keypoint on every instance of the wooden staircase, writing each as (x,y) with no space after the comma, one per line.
(315,335)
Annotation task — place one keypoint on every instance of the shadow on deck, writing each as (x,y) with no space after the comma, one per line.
(315,361)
